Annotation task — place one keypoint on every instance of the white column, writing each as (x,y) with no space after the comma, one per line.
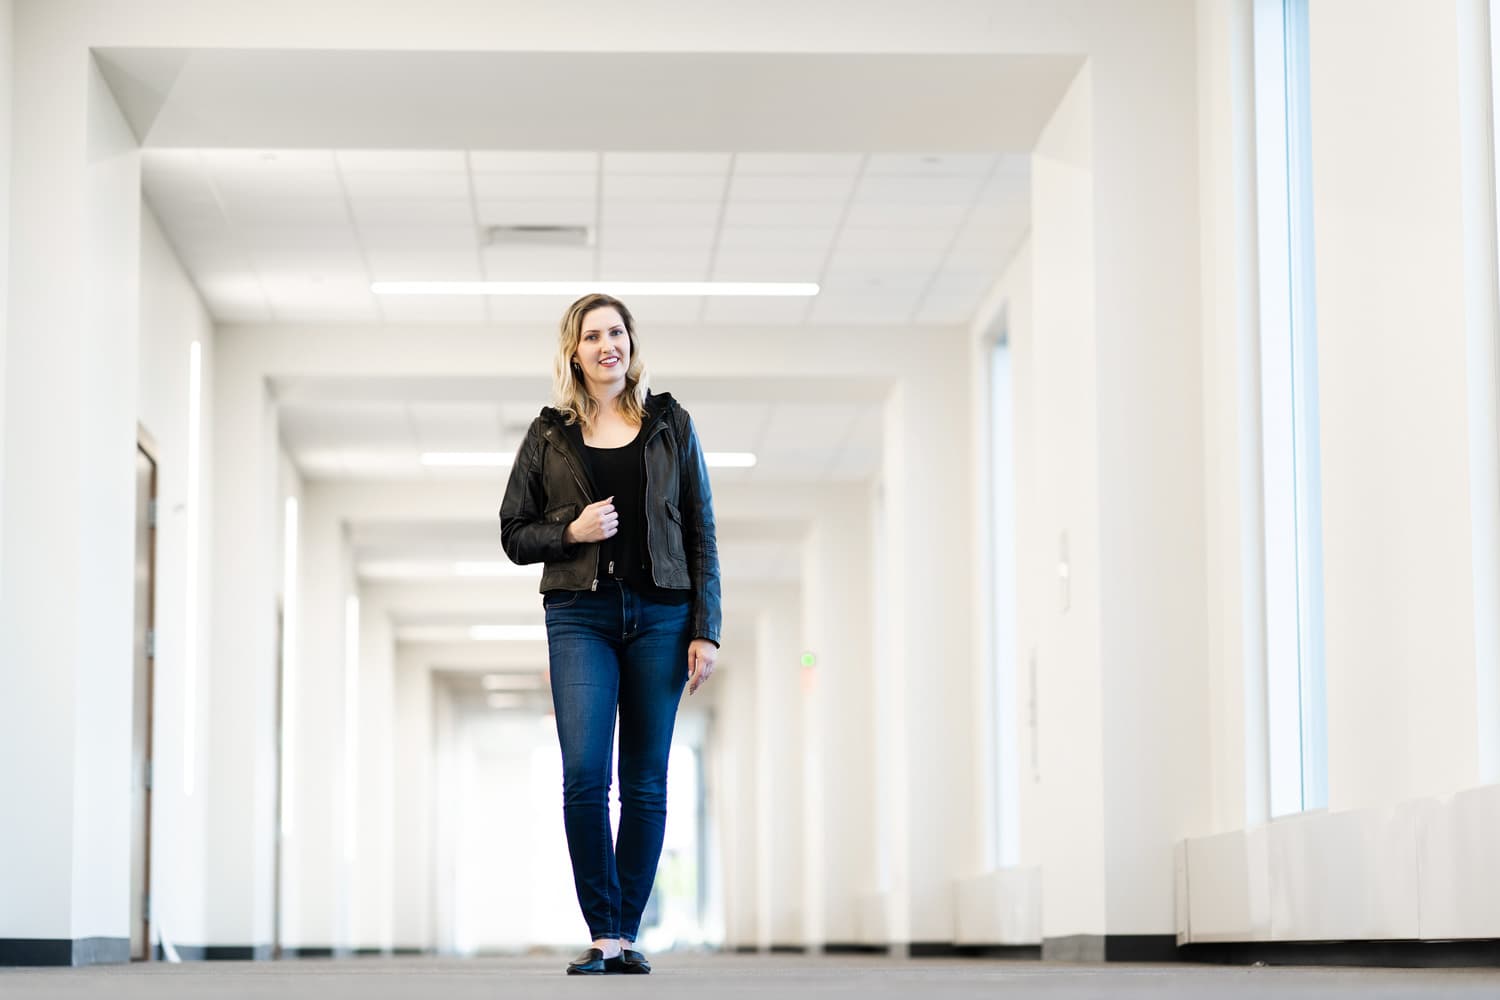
(923,709)
(735,795)
(778,720)
(238,780)
(66,514)
(1408,552)
(377,802)
(316,904)
(839,732)
(412,810)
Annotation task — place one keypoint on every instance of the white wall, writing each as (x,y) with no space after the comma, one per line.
(372,889)
(6,60)
(172,319)
(778,738)
(1393,229)
(1234,574)
(838,770)
(412,813)
(65,585)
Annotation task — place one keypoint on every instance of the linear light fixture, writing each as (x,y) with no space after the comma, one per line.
(749,288)
(475,459)
(509,633)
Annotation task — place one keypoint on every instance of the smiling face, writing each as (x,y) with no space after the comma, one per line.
(603,353)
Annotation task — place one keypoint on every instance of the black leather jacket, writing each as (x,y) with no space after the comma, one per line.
(549,485)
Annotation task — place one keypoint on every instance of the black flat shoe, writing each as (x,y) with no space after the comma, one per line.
(589,962)
(631,963)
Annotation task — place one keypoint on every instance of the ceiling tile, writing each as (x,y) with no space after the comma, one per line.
(872,308)
(919,190)
(533,162)
(918,164)
(908,260)
(785,189)
(880,214)
(265,212)
(433,309)
(391,184)
(561,186)
(664,310)
(417,265)
(761,238)
(456,426)
(797,265)
(538,264)
(806,164)
(537,212)
(734,310)
(692,238)
(420,238)
(783,213)
(947,308)
(662,187)
(728,426)
(636,265)
(666,163)
(412,211)
(895,237)
(401,161)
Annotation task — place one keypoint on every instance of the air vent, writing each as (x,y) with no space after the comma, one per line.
(538,236)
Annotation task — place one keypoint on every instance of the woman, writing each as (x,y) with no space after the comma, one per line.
(610,490)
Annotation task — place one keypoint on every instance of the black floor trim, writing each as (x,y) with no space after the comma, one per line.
(1387,954)
(849,948)
(220,952)
(745,949)
(64,951)
(788,949)
(307,953)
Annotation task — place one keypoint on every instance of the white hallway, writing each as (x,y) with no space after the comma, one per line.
(1119,574)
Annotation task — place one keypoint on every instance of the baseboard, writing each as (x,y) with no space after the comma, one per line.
(220,952)
(850,948)
(746,949)
(1378,954)
(64,951)
(1111,948)
(788,949)
(307,953)
(408,952)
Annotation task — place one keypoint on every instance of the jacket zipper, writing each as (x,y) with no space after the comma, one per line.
(661,425)
(563,447)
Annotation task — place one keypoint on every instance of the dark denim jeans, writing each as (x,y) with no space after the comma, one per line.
(615,649)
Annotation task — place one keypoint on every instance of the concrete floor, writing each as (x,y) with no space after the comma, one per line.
(724,976)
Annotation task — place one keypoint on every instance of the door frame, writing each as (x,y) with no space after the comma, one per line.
(146,445)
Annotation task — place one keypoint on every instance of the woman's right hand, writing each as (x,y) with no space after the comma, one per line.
(595,523)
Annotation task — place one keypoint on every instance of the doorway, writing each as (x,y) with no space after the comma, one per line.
(142,697)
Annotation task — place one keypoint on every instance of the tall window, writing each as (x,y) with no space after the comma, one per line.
(1003,605)
(1296,704)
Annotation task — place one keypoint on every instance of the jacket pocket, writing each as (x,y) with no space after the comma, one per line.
(675,546)
(561,514)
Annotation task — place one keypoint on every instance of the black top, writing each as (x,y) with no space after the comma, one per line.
(620,473)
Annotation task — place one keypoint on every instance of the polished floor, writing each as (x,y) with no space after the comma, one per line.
(719,976)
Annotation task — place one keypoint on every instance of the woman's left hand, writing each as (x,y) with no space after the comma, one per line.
(702,656)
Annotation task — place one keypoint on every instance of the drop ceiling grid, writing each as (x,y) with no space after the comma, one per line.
(885,233)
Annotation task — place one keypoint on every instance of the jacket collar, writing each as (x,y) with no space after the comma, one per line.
(658,406)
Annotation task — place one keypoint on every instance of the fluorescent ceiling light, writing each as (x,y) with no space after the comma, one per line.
(509,682)
(729,459)
(466,458)
(755,288)
(509,633)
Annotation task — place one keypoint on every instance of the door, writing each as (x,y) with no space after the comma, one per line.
(145,658)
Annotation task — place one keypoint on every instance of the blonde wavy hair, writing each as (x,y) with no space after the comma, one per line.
(570,394)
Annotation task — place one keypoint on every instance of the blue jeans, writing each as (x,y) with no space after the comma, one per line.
(611,650)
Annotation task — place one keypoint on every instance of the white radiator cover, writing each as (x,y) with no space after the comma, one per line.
(1001,907)
(1422,870)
